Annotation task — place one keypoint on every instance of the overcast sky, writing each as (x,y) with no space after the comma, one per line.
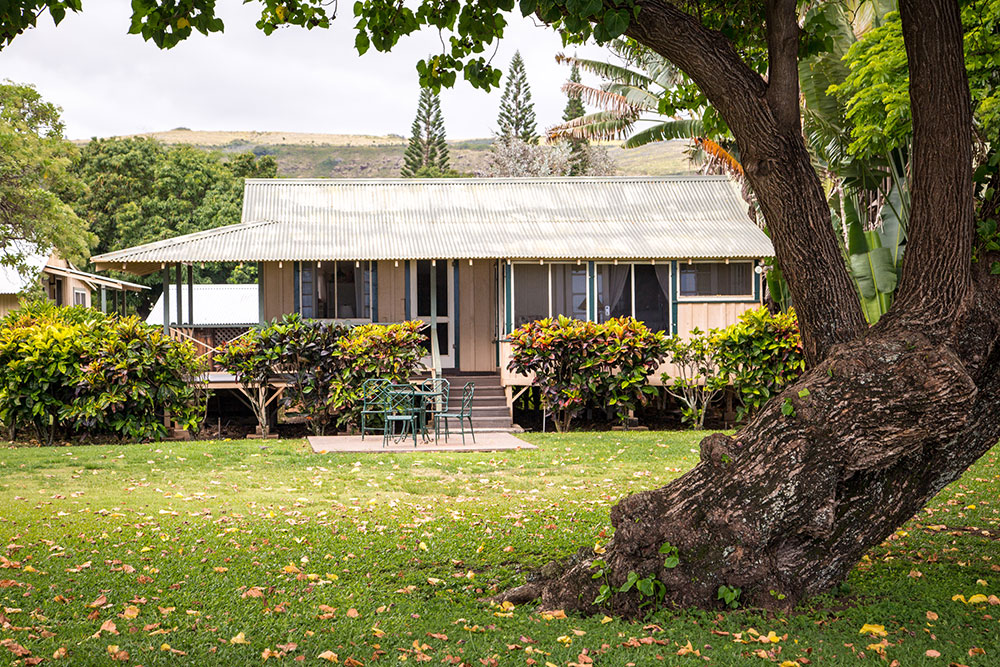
(110,83)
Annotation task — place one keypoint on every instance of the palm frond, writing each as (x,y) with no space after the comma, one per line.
(597,97)
(607,71)
(637,97)
(721,156)
(600,126)
(686,128)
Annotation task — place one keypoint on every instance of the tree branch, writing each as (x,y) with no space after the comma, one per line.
(937,272)
(782,60)
(763,118)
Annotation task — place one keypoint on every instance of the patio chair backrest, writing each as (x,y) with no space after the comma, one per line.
(373,392)
(467,391)
(399,398)
(441,386)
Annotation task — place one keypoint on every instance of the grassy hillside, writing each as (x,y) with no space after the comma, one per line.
(303,155)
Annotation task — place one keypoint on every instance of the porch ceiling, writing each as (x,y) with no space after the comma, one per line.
(559,218)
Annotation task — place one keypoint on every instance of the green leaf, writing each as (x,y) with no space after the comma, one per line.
(874,271)
(616,22)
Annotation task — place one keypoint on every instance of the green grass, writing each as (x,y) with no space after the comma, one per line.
(368,556)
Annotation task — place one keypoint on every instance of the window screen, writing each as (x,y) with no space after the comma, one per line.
(716,279)
(614,291)
(569,290)
(652,296)
(531,293)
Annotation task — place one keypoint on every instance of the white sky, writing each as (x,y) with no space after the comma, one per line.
(110,83)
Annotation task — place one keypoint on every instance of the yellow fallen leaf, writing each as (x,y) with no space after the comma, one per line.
(423,546)
(978,598)
(555,613)
(60,653)
(873,630)
(606,619)
(958,598)
(239,639)
(788,663)
(564,640)
(113,648)
(329,656)
(131,611)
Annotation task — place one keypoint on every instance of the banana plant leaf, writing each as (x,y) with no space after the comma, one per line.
(892,233)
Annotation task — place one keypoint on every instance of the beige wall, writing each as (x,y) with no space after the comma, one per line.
(391,291)
(8,302)
(279,297)
(707,316)
(477,310)
(68,284)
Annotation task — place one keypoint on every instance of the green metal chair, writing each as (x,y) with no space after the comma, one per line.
(373,404)
(433,406)
(464,414)
(399,409)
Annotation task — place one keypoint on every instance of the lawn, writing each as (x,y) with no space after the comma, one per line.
(236,552)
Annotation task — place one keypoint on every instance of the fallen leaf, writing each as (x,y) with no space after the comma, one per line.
(239,639)
(329,656)
(99,602)
(873,630)
(931,653)
(352,613)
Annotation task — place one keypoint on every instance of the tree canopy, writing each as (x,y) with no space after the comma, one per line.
(36,179)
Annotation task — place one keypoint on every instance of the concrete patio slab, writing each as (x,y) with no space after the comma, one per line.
(485,442)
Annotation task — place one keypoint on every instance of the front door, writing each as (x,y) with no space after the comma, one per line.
(420,295)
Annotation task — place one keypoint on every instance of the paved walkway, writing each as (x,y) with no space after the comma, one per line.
(485,442)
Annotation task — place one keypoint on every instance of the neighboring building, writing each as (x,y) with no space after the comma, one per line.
(211,314)
(60,281)
(481,256)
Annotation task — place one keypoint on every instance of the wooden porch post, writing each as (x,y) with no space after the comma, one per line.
(190,294)
(435,349)
(166,299)
(260,292)
(180,304)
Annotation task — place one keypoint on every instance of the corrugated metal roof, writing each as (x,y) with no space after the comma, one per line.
(525,218)
(214,305)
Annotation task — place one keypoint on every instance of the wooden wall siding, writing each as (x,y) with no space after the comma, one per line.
(68,284)
(391,291)
(279,295)
(8,302)
(477,306)
(707,316)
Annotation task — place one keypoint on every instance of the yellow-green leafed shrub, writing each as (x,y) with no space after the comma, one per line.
(77,372)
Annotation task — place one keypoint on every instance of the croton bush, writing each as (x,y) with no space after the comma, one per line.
(74,372)
(577,363)
(325,365)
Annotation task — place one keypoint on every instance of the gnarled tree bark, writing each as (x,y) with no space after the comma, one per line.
(885,417)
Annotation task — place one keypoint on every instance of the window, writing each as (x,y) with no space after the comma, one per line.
(614,291)
(569,290)
(716,279)
(652,296)
(80,297)
(531,292)
(335,290)
(641,291)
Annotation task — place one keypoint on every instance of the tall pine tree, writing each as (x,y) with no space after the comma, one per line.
(575,109)
(517,113)
(427,153)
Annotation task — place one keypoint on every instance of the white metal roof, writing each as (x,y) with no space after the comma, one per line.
(214,305)
(511,218)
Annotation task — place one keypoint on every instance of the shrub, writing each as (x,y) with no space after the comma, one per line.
(760,355)
(576,363)
(699,379)
(371,351)
(326,365)
(309,351)
(253,360)
(78,372)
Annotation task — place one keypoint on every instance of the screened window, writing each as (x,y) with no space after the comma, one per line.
(531,292)
(652,296)
(336,290)
(79,297)
(614,291)
(716,279)
(569,290)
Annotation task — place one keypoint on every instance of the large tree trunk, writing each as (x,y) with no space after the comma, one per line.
(883,419)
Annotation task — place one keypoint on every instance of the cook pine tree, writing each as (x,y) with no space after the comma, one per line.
(517,111)
(427,152)
(575,109)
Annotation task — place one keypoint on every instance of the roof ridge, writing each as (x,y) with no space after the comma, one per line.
(488,181)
